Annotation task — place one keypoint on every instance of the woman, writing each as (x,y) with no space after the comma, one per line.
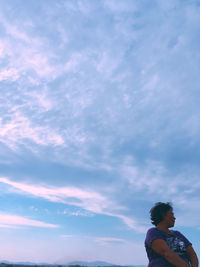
(164,247)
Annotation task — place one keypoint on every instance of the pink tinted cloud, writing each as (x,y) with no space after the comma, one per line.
(20,127)
(55,194)
(106,240)
(12,221)
(85,199)
(9,74)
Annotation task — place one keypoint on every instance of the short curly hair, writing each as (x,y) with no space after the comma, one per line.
(158,211)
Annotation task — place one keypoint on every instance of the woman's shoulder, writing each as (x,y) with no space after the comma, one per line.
(152,234)
(152,229)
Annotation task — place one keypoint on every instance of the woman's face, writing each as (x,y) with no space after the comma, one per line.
(169,218)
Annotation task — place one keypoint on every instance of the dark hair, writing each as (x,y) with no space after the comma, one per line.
(158,212)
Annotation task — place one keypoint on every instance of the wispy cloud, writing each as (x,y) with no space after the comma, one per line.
(20,128)
(100,240)
(107,240)
(9,74)
(88,200)
(14,221)
(54,194)
(32,56)
(81,213)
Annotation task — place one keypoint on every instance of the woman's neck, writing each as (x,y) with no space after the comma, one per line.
(163,228)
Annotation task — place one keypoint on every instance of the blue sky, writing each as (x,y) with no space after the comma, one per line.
(99,119)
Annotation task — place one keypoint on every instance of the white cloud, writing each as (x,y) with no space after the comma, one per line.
(81,213)
(9,74)
(25,53)
(40,100)
(54,194)
(12,221)
(107,60)
(88,200)
(107,240)
(74,61)
(2,49)
(151,179)
(33,208)
(20,128)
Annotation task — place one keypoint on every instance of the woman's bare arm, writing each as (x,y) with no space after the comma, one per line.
(161,247)
(192,256)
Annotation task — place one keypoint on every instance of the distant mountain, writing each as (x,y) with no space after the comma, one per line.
(25,263)
(91,264)
(99,263)
(81,263)
(33,263)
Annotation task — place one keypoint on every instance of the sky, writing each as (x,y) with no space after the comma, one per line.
(99,119)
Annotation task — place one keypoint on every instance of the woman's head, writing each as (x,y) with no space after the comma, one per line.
(159,212)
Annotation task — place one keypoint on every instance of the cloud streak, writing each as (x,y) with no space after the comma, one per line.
(87,199)
(109,240)
(15,221)
(20,128)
